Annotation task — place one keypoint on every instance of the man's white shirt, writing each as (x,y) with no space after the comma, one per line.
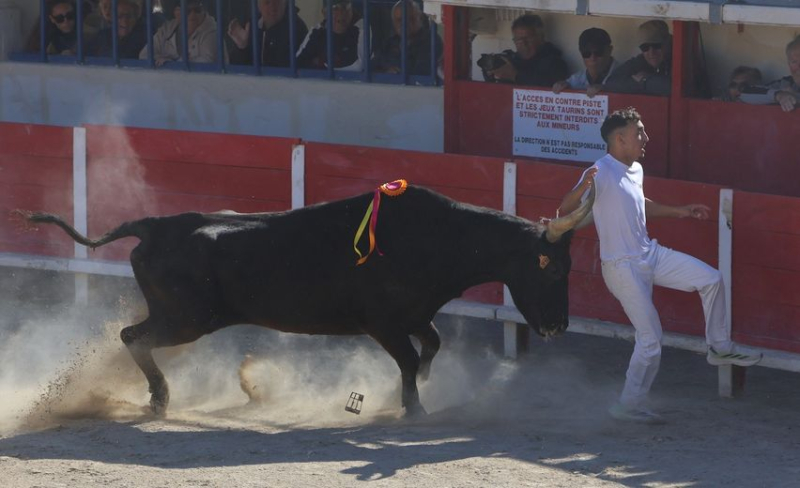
(619,209)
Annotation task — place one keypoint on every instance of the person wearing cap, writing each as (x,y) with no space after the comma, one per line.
(535,62)
(276,50)
(595,47)
(347,36)
(649,73)
(418,42)
(202,36)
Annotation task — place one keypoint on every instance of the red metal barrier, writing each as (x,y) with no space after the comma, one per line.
(766,271)
(484,121)
(133,173)
(35,174)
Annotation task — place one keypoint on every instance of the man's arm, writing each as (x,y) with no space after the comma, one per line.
(572,200)
(694,210)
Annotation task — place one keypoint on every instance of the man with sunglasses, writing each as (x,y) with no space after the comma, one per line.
(595,47)
(649,73)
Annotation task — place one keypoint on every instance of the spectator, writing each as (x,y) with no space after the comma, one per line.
(202,36)
(131,35)
(276,50)
(536,62)
(61,36)
(595,47)
(786,91)
(348,40)
(742,78)
(649,72)
(418,42)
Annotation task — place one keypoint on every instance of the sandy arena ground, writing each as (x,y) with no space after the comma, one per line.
(71,414)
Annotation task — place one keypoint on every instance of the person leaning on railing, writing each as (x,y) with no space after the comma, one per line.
(202,36)
(785,91)
(61,36)
(649,73)
(348,39)
(276,50)
(131,33)
(418,42)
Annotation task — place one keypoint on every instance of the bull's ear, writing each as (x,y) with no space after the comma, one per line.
(543,261)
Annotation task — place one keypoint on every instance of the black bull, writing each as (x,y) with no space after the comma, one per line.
(296,272)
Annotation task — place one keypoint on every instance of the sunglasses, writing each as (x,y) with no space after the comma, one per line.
(598,53)
(60,18)
(650,45)
(738,85)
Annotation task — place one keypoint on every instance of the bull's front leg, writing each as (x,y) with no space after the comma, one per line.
(399,346)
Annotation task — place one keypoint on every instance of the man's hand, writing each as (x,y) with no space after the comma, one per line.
(588,180)
(238,34)
(559,86)
(593,90)
(788,100)
(696,211)
(506,72)
(639,77)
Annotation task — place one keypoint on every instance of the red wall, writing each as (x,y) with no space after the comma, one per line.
(35,174)
(138,172)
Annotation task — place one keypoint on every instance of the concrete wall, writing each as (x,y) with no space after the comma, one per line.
(400,117)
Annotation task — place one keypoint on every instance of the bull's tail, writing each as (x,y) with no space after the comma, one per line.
(128,229)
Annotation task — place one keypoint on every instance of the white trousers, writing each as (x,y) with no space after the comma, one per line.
(631,281)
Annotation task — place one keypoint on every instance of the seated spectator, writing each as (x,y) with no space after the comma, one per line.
(274,27)
(202,36)
(649,72)
(786,91)
(131,34)
(418,42)
(595,47)
(348,40)
(536,62)
(742,78)
(61,36)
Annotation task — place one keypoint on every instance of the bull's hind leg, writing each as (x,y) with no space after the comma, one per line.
(400,348)
(141,339)
(428,338)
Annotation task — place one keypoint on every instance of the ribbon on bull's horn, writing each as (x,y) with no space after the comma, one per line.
(392,189)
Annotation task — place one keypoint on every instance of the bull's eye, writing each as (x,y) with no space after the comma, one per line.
(543,261)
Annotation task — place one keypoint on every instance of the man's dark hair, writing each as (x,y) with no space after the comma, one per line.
(617,120)
(528,21)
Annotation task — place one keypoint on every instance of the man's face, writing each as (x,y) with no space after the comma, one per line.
(63,16)
(738,83)
(342,17)
(526,41)
(195,16)
(413,20)
(596,58)
(105,10)
(632,141)
(655,53)
(126,19)
(272,11)
(793,60)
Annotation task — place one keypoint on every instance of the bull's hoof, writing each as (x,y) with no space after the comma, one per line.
(159,401)
(415,411)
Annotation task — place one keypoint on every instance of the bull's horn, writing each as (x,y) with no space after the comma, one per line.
(578,218)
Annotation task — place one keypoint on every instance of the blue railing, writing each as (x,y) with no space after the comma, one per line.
(222,64)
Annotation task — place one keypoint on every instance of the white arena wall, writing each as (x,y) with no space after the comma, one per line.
(345,112)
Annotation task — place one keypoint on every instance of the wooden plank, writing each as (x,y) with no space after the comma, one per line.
(35,140)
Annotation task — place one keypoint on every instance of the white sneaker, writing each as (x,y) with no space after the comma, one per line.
(635,414)
(733,357)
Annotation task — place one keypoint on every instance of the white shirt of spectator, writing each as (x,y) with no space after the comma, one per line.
(579,80)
